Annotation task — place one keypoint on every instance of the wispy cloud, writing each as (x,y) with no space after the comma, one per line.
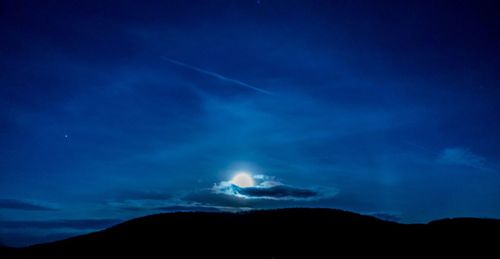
(388,216)
(122,195)
(153,206)
(78,224)
(13,204)
(153,201)
(177,208)
(463,157)
(278,192)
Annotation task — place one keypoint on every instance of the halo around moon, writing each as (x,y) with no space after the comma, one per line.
(243,179)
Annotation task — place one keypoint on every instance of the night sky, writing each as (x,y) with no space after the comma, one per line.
(111,110)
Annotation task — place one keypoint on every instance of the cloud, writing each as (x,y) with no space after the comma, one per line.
(278,192)
(137,205)
(177,208)
(207,197)
(20,238)
(463,157)
(268,188)
(162,206)
(140,195)
(152,201)
(14,204)
(266,191)
(20,233)
(223,196)
(76,224)
(137,200)
(387,216)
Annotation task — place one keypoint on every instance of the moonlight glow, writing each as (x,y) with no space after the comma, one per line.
(243,179)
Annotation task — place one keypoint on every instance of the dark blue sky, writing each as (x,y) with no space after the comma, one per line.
(114,109)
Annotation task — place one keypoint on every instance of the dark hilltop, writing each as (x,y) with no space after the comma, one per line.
(282,233)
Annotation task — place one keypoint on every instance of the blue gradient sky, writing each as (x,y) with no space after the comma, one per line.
(114,109)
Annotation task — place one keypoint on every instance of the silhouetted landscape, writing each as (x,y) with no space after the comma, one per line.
(273,234)
(241,127)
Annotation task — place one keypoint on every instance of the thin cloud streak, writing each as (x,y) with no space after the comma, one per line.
(218,76)
(13,204)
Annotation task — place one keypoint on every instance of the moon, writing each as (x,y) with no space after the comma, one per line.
(243,179)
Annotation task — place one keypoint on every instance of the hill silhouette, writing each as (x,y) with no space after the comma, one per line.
(279,233)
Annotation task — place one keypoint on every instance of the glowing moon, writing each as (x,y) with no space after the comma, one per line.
(243,180)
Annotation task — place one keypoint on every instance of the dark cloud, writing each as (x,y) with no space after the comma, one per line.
(226,196)
(388,216)
(225,202)
(146,206)
(14,204)
(152,201)
(187,208)
(136,200)
(124,195)
(210,198)
(18,238)
(76,224)
(266,187)
(279,192)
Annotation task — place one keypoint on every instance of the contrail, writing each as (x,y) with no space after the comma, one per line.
(215,75)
